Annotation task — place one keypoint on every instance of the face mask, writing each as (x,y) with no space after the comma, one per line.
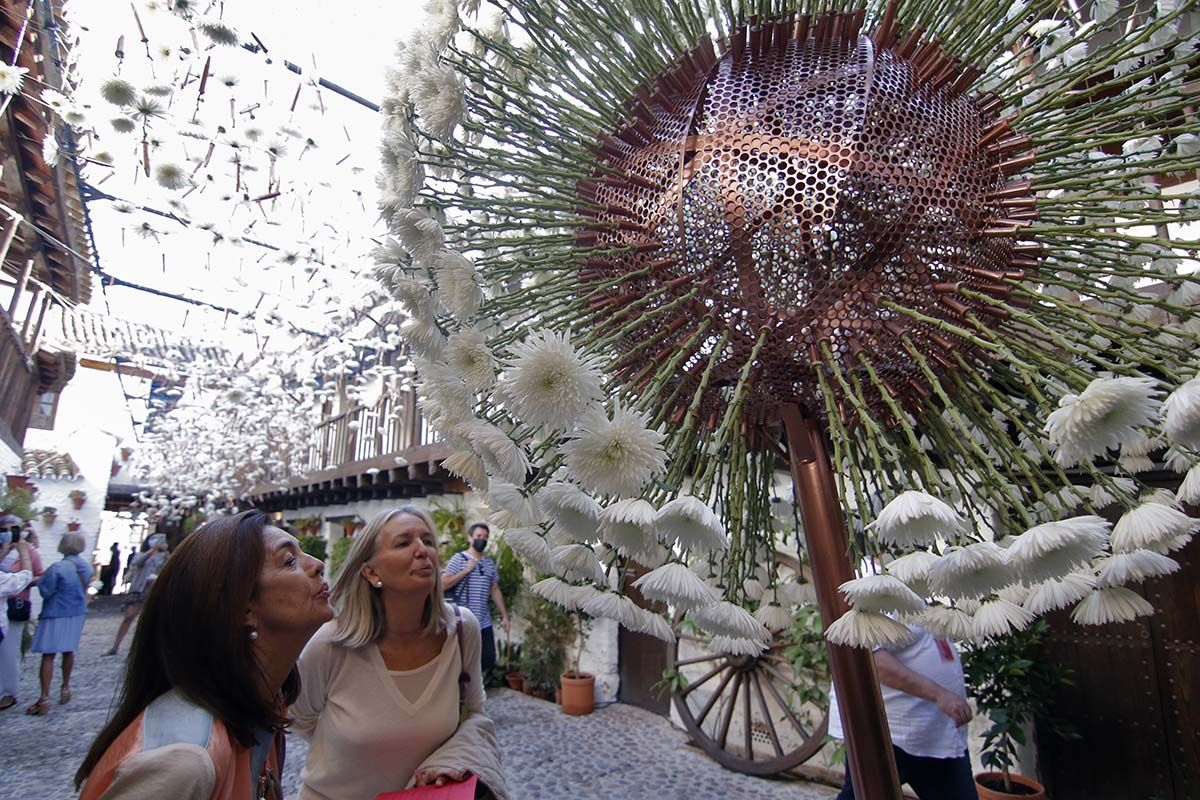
(5,537)
(480,545)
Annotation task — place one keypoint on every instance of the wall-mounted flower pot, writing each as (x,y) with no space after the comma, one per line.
(48,519)
(515,680)
(990,786)
(74,526)
(578,693)
(78,502)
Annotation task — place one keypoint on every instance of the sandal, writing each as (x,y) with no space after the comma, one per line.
(64,697)
(40,708)
(7,702)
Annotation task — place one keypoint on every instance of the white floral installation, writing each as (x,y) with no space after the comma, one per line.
(496,127)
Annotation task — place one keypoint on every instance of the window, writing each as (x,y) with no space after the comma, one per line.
(44,410)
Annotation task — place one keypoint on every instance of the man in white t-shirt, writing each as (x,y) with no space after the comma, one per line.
(925,698)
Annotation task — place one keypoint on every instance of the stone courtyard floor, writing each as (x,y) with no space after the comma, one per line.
(617,753)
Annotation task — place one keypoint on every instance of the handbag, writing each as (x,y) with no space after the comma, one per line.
(19,609)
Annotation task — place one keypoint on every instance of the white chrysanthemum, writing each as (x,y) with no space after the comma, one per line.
(170,176)
(547,381)
(218,31)
(467,466)
(628,526)
(575,514)
(796,593)
(468,355)
(437,96)
(773,617)
(1054,549)
(1116,604)
(1134,567)
(578,562)
(504,497)
(1163,497)
(1106,415)
(1059,593)
(118,92)
(1189,490)
(424,337)
(913,568)
(675,585)
(997,618)
(532,547)
(610,605)
(754,589)
(726,619)
(736,646)
(1177,460)
(970,572)
(616,456)
(11,78)
(420,234)
(652,624)
(868,630)
(692,524)
(914,519)
(558,592)
(458,285)
(1014,593)
(1103,496)
(1181,415)
(502,457)
(1149,525)
(945,622)
(882,594)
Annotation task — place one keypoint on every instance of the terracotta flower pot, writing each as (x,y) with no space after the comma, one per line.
(991,787)
(78,502)
(527,688)
(515,680)
(578,693)
(74,526)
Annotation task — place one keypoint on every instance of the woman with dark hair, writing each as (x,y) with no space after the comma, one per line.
(211,669)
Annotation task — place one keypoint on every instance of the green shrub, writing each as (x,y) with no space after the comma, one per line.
(340,548)
(511,574)
(315,546)
(550,629)
(17,501)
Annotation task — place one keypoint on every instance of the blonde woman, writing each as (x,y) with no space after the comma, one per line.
(391,691)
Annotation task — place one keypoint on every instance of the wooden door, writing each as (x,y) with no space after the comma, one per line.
(641,659)
(1136,699)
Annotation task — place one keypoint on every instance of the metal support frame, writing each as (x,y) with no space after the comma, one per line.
(868,744)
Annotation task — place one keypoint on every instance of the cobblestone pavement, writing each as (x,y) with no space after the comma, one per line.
(617,753)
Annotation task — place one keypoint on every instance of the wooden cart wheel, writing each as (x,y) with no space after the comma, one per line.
(743,711)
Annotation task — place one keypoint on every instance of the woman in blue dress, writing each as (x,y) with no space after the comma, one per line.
(64,605)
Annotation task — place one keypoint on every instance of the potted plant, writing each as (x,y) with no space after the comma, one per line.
(578,688)
(74,525)
(49,514)
(549,629)
(515,678)
(78,498)
(313,546)
(1013,685)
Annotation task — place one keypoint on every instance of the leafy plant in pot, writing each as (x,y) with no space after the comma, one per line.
(1013,685)
(549,629)
(578,688)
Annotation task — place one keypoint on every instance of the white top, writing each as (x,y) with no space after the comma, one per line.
(366,736)
(12,583)
(917,726)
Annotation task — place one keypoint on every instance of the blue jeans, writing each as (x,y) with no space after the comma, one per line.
(930,778)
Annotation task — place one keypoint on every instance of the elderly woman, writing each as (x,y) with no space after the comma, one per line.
(211,670)
(64,605)
(16,615)
(391,691)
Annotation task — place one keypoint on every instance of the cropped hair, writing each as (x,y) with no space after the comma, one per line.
(71,544)
(360,613)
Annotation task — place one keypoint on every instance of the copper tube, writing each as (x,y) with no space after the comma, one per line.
(885,34)
(800,34)
(868,743)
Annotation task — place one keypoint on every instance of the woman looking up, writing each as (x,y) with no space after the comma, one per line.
(211,669)
(392,693)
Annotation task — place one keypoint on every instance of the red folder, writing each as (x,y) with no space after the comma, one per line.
(463,790)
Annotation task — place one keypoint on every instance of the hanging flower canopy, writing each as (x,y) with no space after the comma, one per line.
(628,235)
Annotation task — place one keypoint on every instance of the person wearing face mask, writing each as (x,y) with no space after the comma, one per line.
(470,579)
(392,695)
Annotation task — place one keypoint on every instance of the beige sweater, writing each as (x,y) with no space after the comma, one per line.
(366,737)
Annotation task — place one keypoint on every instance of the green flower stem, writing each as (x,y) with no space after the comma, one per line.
(929,474)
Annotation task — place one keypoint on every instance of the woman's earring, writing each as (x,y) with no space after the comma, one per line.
(378,584)
(253,634)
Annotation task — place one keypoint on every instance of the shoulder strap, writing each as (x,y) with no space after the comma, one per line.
(464,677)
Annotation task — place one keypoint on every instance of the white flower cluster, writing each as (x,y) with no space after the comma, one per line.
(983,590)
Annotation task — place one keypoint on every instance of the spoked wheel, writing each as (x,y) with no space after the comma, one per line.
(755,715)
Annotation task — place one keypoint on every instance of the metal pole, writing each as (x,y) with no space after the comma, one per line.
(10,233)
(869,746)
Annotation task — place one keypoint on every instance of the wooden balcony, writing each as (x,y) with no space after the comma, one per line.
(18,384)
(364,433)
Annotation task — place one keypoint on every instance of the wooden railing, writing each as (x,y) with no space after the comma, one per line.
(391,426)
(18,377)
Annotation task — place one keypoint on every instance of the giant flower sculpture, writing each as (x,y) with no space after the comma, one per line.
(629,237)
